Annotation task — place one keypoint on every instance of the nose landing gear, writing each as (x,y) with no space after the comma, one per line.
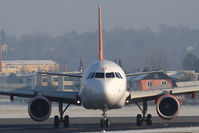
(104,122)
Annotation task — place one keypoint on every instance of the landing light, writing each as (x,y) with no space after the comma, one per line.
(103,131)
(78,102)
(127,101)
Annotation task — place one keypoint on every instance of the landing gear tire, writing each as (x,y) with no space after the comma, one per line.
(107,123)
(56,121)
(61,119)
(104,123)
(143,117)
(101,123)
(66,121)
(139,120)
(149,120)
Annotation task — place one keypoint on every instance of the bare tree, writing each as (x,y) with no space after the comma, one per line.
(157,59)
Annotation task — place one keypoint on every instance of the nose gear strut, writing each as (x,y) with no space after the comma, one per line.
(143,117)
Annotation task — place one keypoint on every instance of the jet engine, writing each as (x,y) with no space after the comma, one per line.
(168,106)
(39,108)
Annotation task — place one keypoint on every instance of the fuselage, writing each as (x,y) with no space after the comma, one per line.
(104,86)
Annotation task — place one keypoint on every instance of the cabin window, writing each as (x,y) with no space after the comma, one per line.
(110,75)
(99,75)
(150,83)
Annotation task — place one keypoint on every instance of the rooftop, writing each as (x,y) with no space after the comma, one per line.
(29,62)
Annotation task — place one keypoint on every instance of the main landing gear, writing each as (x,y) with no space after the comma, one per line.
(143,117)
(104,122)
(61,119)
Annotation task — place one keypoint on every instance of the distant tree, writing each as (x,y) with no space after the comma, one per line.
(157,60)
(12,78)
(120,63)
(136,48)
(190,62)
(3,36)
(81,66)
(187,76)
(115,60)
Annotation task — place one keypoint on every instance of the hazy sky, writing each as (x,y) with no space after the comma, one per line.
(56,17)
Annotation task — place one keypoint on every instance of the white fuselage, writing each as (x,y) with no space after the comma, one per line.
(104,86)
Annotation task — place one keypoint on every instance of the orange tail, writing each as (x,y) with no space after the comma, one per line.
(101,56)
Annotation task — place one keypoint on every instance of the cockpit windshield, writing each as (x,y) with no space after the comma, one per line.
(99,75)
(91,75)
(118,75)
(110,75)
(104,75)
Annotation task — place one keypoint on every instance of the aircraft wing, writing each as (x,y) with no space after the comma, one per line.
(61,74)
(140,73)
(139,96)
(57,96)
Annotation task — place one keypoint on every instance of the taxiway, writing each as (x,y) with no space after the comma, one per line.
(91,124)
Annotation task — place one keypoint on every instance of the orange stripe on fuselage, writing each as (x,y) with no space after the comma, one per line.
(101,56)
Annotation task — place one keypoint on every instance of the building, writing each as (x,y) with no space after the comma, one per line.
(28,66)
(0,55)
(57,83)
(49,81)
(22,69)
(70,83)
(184,75)
(150,81)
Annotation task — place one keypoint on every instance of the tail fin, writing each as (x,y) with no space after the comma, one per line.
(101,56)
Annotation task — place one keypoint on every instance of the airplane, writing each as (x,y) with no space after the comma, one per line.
(104,87)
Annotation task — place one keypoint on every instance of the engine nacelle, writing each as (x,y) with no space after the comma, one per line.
(168,106)
(39,108)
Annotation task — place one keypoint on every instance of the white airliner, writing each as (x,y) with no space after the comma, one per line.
(104,87)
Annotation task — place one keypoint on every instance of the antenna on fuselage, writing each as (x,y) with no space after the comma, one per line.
(101,56)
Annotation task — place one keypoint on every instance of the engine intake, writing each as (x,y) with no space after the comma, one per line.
(39,108)
(167,106)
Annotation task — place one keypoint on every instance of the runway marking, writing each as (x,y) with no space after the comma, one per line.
(28,127)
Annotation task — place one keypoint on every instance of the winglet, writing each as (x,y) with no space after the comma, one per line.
(101,56)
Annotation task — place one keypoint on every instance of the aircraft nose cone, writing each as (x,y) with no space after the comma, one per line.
(104,93)
(112,93)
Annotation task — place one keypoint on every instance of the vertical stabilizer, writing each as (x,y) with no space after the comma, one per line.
(0,55)
(101,56)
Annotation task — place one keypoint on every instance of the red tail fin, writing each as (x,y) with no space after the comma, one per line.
(101,56)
